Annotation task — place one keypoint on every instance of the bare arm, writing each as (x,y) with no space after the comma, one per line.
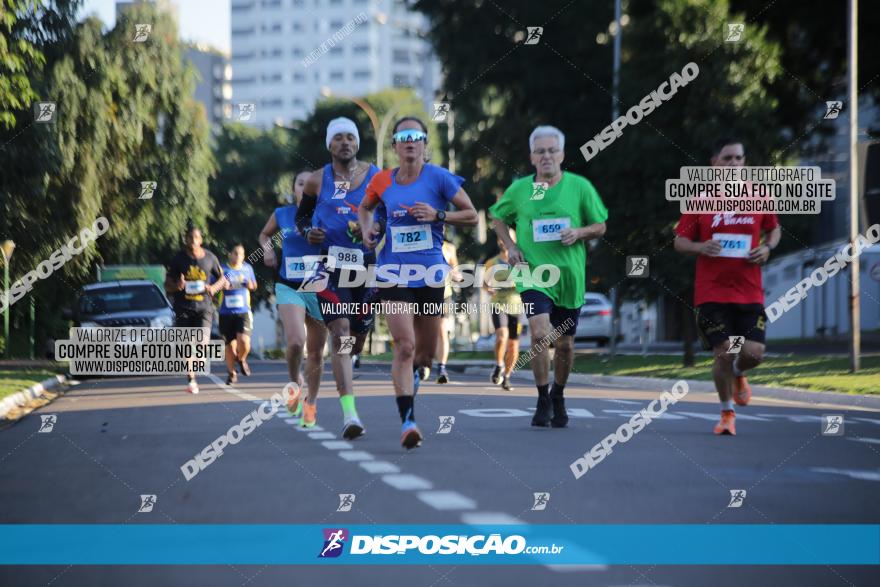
(514,255)
(265,239)
(686,246)
(365,219)
(569,236)
(464,215)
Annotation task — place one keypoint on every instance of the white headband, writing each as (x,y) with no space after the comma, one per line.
(342,125)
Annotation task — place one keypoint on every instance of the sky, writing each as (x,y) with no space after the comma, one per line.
(205,21)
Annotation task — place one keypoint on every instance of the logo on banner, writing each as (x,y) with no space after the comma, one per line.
(334,541)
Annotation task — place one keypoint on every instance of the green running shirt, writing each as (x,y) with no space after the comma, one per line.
(539,215)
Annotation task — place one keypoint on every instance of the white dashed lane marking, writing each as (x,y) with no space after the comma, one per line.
(379,467)
(337,445)
(447,500)
(406,482)
(355,455)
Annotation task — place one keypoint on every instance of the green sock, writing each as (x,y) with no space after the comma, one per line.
(348,410)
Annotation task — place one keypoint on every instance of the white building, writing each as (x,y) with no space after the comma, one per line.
(288,54)
(824,312)
(214,87)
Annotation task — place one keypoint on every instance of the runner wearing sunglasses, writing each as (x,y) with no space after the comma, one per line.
(415,196)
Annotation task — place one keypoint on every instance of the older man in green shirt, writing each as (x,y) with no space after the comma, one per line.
(554,213)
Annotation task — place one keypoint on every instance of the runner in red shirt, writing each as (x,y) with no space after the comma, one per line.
(728,293)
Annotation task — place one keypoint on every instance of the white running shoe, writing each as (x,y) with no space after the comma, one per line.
(192,387)
(352,428)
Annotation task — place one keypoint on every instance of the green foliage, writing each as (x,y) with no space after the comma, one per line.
(501,89)
(311,151)
(27,28)
(125,114)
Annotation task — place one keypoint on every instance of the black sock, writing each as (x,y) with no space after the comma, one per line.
(405,405)
(544,390)
(557,389)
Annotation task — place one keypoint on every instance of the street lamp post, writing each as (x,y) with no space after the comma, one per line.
(7,248)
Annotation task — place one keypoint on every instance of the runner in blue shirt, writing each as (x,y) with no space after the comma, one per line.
(298,308)
(411,267)
(236,319)
(327,216)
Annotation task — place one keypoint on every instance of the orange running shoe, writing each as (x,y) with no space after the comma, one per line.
(727,424)
(292,392)
(309,415)
(742,391)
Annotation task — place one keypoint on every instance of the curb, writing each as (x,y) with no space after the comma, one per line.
(844,400)
(33,392)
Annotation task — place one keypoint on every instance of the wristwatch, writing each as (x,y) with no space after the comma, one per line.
(441,215)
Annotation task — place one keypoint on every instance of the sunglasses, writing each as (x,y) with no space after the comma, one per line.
(410,135)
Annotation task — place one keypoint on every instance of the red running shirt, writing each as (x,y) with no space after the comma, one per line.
(727,279)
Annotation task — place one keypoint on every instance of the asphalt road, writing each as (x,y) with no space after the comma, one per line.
(115,439)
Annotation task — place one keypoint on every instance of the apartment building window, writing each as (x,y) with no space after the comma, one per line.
(361,74)
(297,27)
(243,81)
(242,7)
(298,102)
(335,25)
(337,50)
(244,56)
(360,49)
(401,81)
(337,76)
(400,56)
(271,4)
(298,76)
(240,32)
(272,103)
(297,52)
(273,28)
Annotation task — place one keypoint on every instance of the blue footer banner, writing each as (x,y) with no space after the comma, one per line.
(670,544)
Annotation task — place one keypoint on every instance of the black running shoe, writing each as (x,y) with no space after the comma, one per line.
(543,413)
(496,375)
(443,376)
(231,378)
(505,383)
(560,417)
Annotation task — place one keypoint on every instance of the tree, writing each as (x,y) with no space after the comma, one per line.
(125,115)
(501,89)
(28,28)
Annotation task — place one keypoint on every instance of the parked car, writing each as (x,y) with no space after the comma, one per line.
(594,323)
(134,302)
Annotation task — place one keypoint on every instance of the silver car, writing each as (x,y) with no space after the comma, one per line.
(594,322)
